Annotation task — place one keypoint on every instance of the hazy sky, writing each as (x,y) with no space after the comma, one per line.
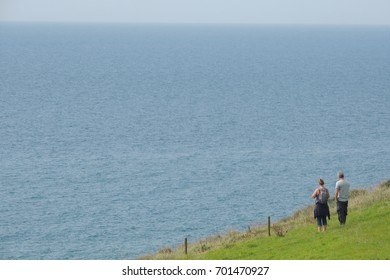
(200,11)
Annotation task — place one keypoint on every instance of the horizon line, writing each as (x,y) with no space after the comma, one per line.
(194,23)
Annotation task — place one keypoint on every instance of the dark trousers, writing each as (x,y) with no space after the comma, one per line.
(342,211)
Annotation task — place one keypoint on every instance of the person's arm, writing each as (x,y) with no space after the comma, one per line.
(336,195)
(337,190)
(315,193)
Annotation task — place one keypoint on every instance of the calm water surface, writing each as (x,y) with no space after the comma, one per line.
(117,140)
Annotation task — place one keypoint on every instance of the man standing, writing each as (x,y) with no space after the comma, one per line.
(341,196)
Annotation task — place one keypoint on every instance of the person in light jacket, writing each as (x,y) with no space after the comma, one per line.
(341,196)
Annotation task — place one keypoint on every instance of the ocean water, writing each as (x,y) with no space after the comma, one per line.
(118,140)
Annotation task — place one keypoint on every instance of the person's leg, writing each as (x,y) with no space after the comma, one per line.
(342,217)
(341,212)
(344,209)
(324,223)
(319,224)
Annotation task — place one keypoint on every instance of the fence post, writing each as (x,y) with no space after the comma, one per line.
(269,226)
(185,245)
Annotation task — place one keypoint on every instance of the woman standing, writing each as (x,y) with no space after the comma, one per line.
(321,209)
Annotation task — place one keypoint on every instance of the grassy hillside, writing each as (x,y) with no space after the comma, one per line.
(365,236)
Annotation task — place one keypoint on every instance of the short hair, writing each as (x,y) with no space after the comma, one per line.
(340,174)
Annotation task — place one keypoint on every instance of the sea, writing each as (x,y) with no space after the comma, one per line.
(117,140)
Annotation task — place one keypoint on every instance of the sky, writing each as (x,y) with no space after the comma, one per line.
(360,12)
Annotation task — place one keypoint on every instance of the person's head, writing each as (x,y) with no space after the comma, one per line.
(340,174)
(321,182)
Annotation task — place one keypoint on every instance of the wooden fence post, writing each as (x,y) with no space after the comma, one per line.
(269,226)
(185,245)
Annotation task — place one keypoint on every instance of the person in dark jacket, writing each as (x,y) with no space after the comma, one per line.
(321,208)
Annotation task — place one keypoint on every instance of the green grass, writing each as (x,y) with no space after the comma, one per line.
(365,236)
